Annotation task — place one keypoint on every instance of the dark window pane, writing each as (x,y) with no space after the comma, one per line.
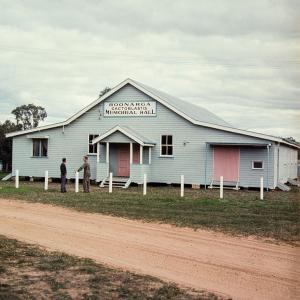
(170,140)
(163,150)
(36,147)
(170,150)
(91,148)
(44,147)
(95,148)
(90,138)
(163,139)
(257,164)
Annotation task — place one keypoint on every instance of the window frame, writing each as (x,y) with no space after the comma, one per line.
(256,161)
(40,140)
(167,145)
(89,144)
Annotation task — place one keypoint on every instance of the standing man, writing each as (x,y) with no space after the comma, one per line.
(63,176)
(86,174)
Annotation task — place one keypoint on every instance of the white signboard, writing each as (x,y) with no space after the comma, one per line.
(130,109)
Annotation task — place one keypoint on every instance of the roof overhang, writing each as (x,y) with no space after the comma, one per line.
(250,145)
(165,103)
(126,131)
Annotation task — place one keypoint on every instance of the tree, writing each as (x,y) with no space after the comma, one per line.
(104,91)
(29,116)
(6,144)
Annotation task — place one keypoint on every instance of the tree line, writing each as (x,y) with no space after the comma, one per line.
(26,116)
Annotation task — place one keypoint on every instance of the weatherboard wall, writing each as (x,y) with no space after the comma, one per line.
(189,145)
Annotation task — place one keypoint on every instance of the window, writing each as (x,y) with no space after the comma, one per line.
(257,164)
(166,145)
(40,147)
(92,148)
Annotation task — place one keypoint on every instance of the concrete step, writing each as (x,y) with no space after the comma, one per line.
(283,187)
(293,182)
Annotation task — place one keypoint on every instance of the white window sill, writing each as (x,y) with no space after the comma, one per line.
(39,157)
(93,154)
(166,156)
(257,168)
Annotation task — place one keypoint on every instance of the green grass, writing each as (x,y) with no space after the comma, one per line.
(3,174)
(29,272)
(240,212)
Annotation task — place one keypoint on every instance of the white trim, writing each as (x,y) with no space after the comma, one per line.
(131,153)
(118,128)
(141,154)
(107,152)
(149,153)
(252,164)
(166,155)
(147,92)
(98,152)
(37,136)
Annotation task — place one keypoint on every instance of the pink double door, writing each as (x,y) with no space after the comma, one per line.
(226,163)
(124,161)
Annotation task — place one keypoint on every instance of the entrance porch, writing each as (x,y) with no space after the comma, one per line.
(123,154)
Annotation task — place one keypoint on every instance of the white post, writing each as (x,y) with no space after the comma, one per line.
(141,154)
(17,179)
(261,188)
(98,152)
(145,185)
(221,187)
(181,185)
(110,182)
(131,153)
(107,152)
(150,151)
(76,182)
(46,180)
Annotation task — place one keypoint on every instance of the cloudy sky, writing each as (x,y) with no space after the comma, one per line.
(239,59)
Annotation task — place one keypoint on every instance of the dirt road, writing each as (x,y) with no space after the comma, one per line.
(237,267)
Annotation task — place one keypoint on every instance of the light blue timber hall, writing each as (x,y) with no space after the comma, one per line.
(135,129)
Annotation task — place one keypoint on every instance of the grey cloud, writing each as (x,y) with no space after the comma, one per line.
(238,59)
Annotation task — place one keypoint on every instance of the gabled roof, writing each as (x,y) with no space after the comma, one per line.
(126,131)
(194,114)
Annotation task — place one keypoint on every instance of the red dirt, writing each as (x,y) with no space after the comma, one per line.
(242,268)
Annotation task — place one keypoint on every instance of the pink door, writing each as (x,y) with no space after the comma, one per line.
(226,163)
(123,161)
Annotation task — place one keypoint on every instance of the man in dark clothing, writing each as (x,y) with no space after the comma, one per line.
(63,176)
(86,174)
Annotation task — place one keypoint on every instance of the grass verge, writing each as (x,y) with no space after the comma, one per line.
(239,213)
(29,272)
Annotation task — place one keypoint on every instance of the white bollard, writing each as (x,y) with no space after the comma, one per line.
(261,188)
(221,187)
(17,179)
(76,182)
(145,185)
(182,186)
(46,180)
(110,182)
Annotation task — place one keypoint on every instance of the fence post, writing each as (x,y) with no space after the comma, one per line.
(182,186)
(145,185)
(46,180)
(261,188)
(221,187)
(110,183)
(76,182)
(17,179)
